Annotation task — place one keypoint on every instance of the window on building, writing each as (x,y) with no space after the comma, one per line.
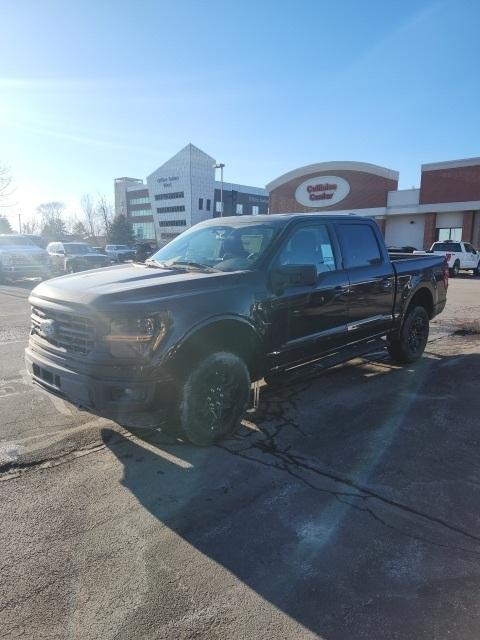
(168,236)
(173,223)
(140,212)
(143,230)
(359,245)
(169,196)
(144,200)
(255,210)
(200,203)
(176,209)
(218,206)
(239,209)
(449,233)
(208,204)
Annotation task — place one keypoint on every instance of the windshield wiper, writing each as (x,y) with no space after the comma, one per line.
(150,262)
(192,264)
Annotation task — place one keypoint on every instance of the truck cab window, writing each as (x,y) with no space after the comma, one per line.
(309,245)
(359,245)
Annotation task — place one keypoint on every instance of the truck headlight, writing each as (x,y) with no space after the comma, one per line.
(135,336)
(131,330)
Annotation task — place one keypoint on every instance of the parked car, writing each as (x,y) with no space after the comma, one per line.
(459,255)
(21,258)
(228,302)
(119,252)
(69,257)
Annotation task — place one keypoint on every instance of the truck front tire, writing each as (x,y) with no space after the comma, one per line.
(213,398)
(411,343)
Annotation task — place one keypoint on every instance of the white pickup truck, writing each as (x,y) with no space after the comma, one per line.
(459,255)
(21,258)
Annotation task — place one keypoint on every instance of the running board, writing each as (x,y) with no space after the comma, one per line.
(327,362)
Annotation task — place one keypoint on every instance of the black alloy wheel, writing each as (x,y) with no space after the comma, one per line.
(213,398)
(410,344)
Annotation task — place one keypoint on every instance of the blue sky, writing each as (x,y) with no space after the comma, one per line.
(93,90)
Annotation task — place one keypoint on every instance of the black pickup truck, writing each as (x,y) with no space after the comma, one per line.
(225,304)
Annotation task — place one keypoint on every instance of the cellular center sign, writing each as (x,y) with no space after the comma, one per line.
(322,191)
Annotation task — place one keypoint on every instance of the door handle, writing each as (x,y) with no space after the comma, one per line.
(342,289)
(386,284)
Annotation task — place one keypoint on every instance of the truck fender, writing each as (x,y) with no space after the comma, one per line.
(224,332)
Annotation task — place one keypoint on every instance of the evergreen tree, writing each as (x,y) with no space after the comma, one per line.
(54,228)
(79,229)
(121,231)
(5,226)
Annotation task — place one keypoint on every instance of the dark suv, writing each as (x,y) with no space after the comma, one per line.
(70,257)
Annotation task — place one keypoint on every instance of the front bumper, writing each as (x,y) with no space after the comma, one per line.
(118,399)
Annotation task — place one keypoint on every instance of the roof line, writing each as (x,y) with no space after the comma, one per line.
(338,165)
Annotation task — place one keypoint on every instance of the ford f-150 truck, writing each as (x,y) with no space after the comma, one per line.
(459,255)
(21,258)
(225,304)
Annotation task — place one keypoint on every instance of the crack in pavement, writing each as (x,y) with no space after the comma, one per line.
(265,441)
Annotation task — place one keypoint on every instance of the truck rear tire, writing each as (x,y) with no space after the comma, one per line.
(213,398)
(411,343)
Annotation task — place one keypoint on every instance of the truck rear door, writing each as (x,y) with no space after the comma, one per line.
(371,276)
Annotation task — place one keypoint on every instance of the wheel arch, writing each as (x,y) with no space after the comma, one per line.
(421,297)
(229,333)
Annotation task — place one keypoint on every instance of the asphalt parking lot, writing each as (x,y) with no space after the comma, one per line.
(347,507)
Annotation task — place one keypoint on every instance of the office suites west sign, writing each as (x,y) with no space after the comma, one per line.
(322,191)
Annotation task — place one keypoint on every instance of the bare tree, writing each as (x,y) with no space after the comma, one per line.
(105,213)
(31,226)
(6,189)
(89,214)
(53,224)
(51,211)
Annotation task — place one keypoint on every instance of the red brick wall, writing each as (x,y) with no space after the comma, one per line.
(467,231)
(450,185)
(366,190)
(430,229)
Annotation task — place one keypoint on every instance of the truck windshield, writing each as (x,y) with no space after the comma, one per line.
(223,247)
(77,248)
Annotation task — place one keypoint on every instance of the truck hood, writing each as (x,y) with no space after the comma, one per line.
(129,284)
(24,250)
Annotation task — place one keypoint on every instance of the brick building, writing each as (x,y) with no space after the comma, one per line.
(446,206)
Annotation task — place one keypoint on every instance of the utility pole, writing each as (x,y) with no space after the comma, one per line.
(220,166)
(19,223)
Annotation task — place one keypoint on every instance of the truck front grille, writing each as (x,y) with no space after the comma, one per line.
(66,331)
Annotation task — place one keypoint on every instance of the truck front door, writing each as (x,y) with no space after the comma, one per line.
(308,320)
(372,280)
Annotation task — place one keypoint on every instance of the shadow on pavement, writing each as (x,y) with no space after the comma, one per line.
(350,503)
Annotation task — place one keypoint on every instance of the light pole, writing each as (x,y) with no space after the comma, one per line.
(220,166)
